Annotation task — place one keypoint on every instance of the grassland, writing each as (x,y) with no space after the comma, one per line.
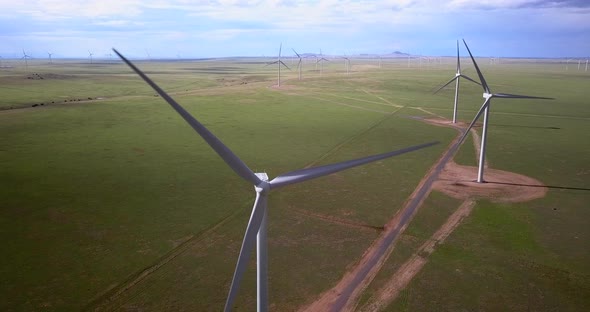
(96,192)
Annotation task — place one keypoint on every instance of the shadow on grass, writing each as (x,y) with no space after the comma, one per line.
(529,127)
(547,186)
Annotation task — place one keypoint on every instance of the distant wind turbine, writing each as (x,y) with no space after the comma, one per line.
(567,63)
(90,54)
(457,77)
(485,109)
(346,63)
(50,54)
(299,64)
(279,63)
(320,61)
(25,57)
(256,230)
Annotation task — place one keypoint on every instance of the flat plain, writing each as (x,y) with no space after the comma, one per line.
(109,201)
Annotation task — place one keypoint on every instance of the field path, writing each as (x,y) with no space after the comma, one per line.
(343,296)
(402,277)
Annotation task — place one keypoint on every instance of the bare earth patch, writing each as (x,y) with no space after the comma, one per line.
(501,186)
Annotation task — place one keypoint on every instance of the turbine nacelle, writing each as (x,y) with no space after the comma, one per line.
(263,187)
(487,96)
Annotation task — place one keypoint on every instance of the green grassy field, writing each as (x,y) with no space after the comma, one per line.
(95,192)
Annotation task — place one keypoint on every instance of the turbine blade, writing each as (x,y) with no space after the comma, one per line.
(223,151)
(247,246)
(458,61)
(280,48)
(516,96)
(316,172)
(446,84)
(285,65)
(484,84)
(481,110)
(296,53)
(271,63)
(466,77)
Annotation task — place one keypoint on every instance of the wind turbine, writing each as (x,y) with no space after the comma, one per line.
(579,63)
(346,63)
(257,225)
(319,61)
(25,57)
(567,63)
(299,64)
(50,54)
(485,108)
(458,75)
(90,54)
(586,65)
(279,63)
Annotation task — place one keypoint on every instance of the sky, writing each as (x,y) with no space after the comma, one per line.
(220,28)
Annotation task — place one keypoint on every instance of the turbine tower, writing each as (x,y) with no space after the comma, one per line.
(485,109)
(257,225)
(90,54)
(279,63)
(50,54)
(299,64)
(458,75)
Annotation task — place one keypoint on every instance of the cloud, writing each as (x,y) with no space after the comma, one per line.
(347,25)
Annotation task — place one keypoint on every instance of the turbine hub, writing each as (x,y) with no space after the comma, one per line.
(263,187)
(487,95)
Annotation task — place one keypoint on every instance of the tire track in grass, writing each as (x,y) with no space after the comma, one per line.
(348,105)
(105,298)
(402,277)
(343,296)
(360,100)
(381,98)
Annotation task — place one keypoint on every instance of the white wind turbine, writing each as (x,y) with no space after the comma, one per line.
(90,54)
(346,63)
(567,63)
(485,108)
(320,61)
(279,63)
(50,60)
(299,64)
(25,57)
(257,225)
(457,77)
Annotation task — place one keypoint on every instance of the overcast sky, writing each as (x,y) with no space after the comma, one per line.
(201,28)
